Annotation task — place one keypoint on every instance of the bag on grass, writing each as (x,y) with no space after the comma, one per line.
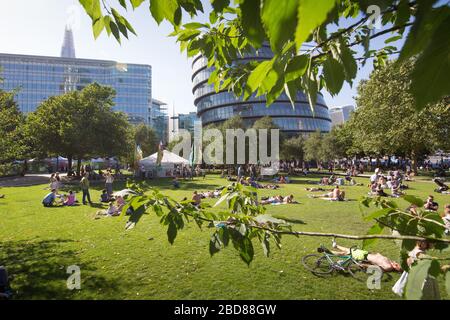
(399,286)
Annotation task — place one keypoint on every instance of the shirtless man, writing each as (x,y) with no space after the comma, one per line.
(377,259)
(336,195)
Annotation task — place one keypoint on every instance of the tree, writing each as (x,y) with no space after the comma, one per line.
(309,55)
(79,124)
(386,123)
(146,138)
(293,148)
(12,146)
(335,144)
(313,147)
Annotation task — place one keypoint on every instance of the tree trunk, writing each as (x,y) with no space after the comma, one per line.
(414,163)
(78,166)
(24,168)
(69,165)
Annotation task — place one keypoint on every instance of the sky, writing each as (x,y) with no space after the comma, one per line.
(37,28)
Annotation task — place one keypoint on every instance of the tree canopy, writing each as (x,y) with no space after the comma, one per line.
(79,124)
(12,146)
(310,53)
(385,122)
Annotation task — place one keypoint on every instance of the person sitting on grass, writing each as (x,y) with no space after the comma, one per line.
(49,199)
(377,259)
(377,190)
(430,204)
(104,197)
(395,189)
(196,199)
(442,187)
(120,201)
(70,201)
(110,212)
(175,183)
(430,288)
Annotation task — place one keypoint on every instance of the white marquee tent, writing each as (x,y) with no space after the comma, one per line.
(168,163)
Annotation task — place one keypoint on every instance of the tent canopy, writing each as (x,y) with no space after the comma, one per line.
(168,158)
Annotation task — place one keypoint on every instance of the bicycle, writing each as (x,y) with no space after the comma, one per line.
(328,262)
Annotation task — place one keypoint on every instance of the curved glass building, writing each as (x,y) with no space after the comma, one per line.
(215,107)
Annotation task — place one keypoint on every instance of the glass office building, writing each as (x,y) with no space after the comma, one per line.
(38,78)
(215,107)
(159,120)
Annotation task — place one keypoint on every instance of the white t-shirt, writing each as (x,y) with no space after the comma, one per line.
(374,178)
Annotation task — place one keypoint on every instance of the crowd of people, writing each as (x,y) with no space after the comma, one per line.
(390,184)
(393,181)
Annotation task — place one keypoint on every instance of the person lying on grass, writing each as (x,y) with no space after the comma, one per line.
(313,189)
(335,195)
(279,199)
(112,211)
(253,183)
(377,259)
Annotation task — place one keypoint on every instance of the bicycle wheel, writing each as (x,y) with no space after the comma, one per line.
(357,271)
(317,264)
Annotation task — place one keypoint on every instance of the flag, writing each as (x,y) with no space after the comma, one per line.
(139,155)
(160,153)
(192,156)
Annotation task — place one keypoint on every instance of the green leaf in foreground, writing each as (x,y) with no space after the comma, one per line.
(311,14)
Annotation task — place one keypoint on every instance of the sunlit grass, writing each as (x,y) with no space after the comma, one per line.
(38,244)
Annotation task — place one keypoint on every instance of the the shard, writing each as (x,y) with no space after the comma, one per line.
(68,47)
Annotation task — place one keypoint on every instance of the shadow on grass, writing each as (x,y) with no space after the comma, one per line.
(291,220)
(39,270)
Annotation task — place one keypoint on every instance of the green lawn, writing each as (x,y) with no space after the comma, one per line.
(37,245)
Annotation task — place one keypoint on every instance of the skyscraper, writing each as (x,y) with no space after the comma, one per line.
(341,114)
(68,47)
(216,107)
(159,120)
(38,78)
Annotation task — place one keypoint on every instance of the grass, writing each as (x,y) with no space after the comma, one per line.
(38,244)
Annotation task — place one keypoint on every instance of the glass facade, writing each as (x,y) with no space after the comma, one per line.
(159,120)
(39,78)
(219,106)
(187,121)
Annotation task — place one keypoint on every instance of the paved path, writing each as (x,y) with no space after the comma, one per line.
(28,180)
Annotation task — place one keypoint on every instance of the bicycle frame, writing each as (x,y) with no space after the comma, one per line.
(346,259)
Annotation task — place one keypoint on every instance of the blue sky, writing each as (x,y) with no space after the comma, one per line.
(37,27)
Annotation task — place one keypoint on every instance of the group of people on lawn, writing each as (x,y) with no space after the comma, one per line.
(55,198)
